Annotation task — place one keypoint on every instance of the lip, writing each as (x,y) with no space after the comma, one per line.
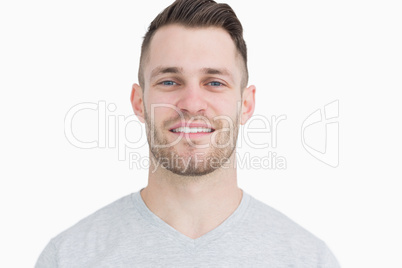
(192,135)
(191,125)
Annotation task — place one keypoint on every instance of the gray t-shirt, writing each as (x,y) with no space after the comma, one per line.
(127,234)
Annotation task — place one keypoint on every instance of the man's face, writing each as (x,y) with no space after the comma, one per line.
(191,98)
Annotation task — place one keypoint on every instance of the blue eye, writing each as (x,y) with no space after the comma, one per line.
(168,83)
(215,84)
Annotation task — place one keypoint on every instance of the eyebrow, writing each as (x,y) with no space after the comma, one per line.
(216,71)
(176,70)
(219,71)
(166,70)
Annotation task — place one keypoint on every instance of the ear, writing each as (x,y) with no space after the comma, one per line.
(137,102)
(248,104)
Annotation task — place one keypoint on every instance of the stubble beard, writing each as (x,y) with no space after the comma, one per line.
(190,163)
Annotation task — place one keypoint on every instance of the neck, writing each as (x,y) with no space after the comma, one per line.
(193,205)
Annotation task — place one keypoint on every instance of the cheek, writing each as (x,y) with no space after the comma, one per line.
(160,98)
(228,106)
(165,105)
(160,113)
(162,110)
(159,103)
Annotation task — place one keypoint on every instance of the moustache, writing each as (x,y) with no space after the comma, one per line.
(188,118)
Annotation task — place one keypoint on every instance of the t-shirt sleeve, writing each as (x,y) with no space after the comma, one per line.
(47,258)
(328,259)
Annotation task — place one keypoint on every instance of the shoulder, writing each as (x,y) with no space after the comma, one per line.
(272,229)
(271,219)
(99,232)
(101,223)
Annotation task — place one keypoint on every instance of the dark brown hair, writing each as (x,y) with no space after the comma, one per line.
(195,14)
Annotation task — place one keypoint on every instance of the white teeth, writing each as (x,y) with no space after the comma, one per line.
(192,129)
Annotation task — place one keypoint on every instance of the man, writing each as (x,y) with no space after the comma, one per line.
(192,95)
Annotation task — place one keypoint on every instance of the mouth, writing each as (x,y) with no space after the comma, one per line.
(192,130)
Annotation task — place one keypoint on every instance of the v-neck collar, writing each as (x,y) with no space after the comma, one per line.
(188,242)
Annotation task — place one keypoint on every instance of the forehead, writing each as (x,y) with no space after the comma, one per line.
(192,49)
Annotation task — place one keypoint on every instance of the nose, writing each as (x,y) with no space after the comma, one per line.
(192,100)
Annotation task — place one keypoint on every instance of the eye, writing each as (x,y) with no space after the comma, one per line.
(215,84)
(168,83)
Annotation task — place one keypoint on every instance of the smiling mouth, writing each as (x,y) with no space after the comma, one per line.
(192,130)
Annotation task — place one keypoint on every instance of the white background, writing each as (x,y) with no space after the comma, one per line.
(302,56)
